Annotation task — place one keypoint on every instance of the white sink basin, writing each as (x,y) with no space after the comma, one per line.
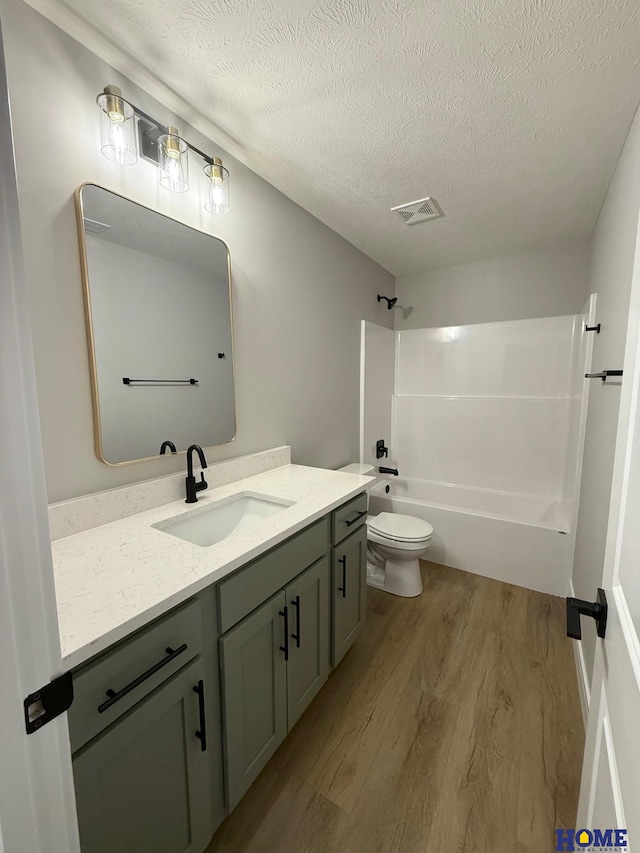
(210,524)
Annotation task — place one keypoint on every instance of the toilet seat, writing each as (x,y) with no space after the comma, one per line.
(394,527)
(398,544)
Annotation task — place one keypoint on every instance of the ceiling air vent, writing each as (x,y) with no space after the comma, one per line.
(94,227)
(418,211)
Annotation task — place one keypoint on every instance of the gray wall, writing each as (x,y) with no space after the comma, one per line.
(300,290)
(545,283)
(612,255)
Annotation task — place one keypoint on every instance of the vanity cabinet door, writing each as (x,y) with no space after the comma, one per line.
(308,604)
(254,679)
(349,592)
(143,784)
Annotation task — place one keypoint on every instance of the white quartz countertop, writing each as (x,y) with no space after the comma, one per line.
(115,578)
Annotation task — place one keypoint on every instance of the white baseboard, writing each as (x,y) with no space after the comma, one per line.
(581,672)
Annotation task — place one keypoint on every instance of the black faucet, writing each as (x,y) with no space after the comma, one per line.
(167,445)
(192,486)
(393,471)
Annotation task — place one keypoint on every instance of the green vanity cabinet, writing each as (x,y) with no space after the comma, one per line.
(273,664)
(143,784)
(143,780)
(245,656)
(254,694)
(349,592)
(210,657)
(309,613)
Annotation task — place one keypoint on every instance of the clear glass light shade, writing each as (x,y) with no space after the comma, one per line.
(173,162)
(117,128)
(217,187)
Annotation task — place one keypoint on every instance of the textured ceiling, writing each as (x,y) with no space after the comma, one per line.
(511,113)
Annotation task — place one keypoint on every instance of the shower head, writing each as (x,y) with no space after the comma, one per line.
(390,302)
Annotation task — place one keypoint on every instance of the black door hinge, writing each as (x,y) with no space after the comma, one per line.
(48,703)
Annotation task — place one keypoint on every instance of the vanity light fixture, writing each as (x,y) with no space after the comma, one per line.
(217,187)
(117,127)
(160,145)
(173,161)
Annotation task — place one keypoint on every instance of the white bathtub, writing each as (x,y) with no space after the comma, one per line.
(519,539)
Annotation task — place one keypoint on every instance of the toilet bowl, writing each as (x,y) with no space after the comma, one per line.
(400,541)
(395,545)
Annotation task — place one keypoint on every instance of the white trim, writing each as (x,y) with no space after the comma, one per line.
(629,630)
(612,763)
(589,318)
(627,416)
(363,362)
(584,688)
(37,801)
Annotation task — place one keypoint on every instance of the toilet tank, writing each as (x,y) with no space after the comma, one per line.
(363,470)
(355,468)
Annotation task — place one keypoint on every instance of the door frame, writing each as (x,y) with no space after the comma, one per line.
(619,654)
(37,801)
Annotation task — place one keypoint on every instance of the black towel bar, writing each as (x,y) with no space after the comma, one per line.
(127,381)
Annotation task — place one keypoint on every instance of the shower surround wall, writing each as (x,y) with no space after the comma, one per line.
(486,406)
(486,432)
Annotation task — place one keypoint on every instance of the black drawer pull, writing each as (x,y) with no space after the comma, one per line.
(357,518)
(201,734)
(343,588)
(114,697)
(285,648)
(296,636)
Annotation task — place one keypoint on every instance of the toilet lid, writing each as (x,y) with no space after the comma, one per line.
(401,527)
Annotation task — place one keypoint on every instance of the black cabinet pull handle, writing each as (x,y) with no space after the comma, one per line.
(596,609)
(285,648)
(343,588)
(114,697)
(201,734)
(357,518)
(296,636)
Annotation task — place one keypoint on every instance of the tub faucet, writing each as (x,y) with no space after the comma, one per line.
(192,486)
(384,470)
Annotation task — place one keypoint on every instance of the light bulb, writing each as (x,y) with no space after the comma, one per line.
(117,127)
(217,187)
(173,161)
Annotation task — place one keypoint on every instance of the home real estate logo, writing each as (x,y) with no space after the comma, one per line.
(591,840)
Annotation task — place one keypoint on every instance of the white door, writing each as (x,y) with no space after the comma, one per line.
(37,805)
(610,791)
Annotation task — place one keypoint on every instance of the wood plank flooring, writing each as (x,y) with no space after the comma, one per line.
(452,725)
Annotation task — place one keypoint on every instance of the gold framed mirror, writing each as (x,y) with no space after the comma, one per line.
(159,318)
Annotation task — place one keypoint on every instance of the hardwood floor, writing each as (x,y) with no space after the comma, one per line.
(453,724)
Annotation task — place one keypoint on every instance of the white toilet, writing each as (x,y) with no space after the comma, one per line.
(395,545)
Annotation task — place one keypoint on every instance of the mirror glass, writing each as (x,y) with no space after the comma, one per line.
(158,304)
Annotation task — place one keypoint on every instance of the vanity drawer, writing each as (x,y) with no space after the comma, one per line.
(249,587)
(348,518)
(132,670)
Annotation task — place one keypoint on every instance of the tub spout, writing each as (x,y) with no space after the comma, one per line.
(384,470)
